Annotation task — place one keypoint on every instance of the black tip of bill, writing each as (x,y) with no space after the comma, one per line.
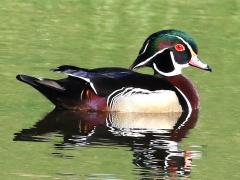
(209,68)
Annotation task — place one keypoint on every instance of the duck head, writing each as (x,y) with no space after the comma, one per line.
(168,52)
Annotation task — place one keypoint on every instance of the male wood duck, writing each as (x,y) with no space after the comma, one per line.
(124,90)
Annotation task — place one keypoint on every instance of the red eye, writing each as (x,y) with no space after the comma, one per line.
(179,47)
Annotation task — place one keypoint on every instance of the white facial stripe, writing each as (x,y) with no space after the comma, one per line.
(185,42)
(145,48)
(177,67)
(148,59)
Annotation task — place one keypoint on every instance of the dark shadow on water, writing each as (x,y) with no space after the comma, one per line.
(153,138)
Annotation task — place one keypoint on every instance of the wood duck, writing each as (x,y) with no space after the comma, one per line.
(124,90)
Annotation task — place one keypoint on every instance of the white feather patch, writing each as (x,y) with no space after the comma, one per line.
(145,101)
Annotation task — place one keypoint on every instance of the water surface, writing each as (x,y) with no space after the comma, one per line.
(38,35)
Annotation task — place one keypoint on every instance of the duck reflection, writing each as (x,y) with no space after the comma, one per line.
(154,141)
(153,138)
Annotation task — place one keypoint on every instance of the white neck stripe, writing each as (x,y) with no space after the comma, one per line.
(148,59)
(189,107)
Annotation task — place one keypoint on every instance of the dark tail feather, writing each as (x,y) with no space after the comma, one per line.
(27,79)
(49,88)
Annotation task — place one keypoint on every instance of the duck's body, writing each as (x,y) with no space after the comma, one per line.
(110,89)
(119,89)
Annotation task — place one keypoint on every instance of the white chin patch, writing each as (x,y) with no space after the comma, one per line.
(172,73)
(177,67)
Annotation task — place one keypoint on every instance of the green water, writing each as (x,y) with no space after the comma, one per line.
(38,35)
